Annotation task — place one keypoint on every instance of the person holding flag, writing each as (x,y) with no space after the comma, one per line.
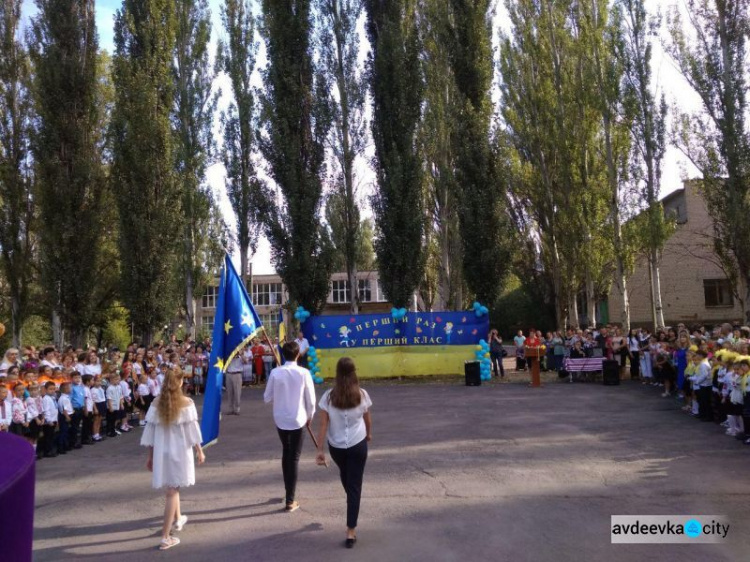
(235,324)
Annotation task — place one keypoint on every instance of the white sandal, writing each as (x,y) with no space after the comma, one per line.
(166,544)
(180,523)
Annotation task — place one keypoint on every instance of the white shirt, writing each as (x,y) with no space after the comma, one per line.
(114,395)
(346,427)
(290,388)
(49,406)
(93,370)
(88,401)
(6,412)
(33,407)
(65,405)
(125,388)
(303,344)
(154,386)
(143,390)
(98,394)
(50,364)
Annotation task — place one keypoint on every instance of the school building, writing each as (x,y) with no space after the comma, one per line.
(694,288)
(268,294)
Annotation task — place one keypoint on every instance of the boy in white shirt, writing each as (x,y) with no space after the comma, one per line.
(88,411)
(66,412)
(6,409)
(100,407)
(51,414)
(114,405)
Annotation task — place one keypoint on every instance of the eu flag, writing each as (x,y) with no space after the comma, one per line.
(235,324)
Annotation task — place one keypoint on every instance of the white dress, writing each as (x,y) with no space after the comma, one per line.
(174,464)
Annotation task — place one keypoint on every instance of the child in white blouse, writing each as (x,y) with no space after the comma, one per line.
(66,412)
(172,433)
(142,399)
(100,407)
(35,415)
(51,414)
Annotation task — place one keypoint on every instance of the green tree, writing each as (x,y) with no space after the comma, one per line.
(148,197)
(364,254)
(192,120)
(397,87)
(647,119)
(339,49)
(443,274)
(717,139)
(237,58)
(296,118)
(68,153)
(484,225)
(16,178)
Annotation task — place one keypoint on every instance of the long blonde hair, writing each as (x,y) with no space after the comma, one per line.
(171,399)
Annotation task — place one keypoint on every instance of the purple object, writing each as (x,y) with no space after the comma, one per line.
(17,469)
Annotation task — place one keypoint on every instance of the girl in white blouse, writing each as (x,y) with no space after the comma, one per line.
(347,424)
(171,433)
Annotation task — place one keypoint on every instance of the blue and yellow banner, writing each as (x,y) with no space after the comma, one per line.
(420,343)
(235,324)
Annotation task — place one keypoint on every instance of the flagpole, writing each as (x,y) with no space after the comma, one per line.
(273,347)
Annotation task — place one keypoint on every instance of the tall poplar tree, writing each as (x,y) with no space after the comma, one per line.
(148,197)
(339,49)
(16,178)
(717,140)
(485,228)
(237,58)
(397,89)
(436,140)
(68,154)
(192,118)
(296,118)
(648,131)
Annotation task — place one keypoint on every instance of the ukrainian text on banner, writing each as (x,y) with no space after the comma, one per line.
(421,343)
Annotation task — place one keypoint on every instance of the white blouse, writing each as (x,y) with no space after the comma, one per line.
(346,428)
(173,465)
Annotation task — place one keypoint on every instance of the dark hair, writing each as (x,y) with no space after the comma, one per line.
(87,378)
(345,394)
(702,353)
(290,350)
(48,384)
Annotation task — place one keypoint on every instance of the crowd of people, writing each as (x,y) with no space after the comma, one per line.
(61,400)
(707,370)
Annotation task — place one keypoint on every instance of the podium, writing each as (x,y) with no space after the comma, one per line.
(534,353)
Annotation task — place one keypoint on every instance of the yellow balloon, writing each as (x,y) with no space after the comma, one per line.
(486,354)
(479,348)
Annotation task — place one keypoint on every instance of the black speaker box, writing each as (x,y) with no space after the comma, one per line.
(611,372)
(472,373)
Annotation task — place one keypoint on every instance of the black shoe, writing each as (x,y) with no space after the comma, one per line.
(50,455)
(62,452)
(349,543)
(88,442)
(78,446)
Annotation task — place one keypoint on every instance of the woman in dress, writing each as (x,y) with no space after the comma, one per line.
(346,424)
(171,433)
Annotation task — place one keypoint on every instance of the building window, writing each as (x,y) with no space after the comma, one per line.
(266,294)
(718,292)
(207,323)
(365,294)
(379,293)
(271,323)
(209,297)
(340,291)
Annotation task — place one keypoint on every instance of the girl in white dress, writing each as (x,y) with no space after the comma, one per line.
(171,433)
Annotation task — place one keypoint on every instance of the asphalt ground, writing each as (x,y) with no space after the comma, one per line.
(455,473)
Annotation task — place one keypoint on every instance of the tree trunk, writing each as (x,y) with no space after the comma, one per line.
(16,322)
(57,336)
(189,298)
(657,311)
(590,300)
(573,310)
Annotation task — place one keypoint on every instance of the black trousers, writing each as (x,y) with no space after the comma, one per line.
(74,432)
(111,422)
(63,435)
(351,463)
(635,364)
(291,447)
(87,428)
(704,402)
(48,439)
(497,363)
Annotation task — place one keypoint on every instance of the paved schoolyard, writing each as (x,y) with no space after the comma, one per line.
(500,472)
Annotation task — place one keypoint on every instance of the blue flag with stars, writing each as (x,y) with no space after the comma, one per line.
(235,324)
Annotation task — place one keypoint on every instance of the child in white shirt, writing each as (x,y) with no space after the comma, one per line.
(114,406)
(143,399)
(100,407)
(66,411)
(51,414)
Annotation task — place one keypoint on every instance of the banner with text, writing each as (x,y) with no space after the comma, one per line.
(421,343)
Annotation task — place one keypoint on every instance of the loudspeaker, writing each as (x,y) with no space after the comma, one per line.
(611,372)
(472,372)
